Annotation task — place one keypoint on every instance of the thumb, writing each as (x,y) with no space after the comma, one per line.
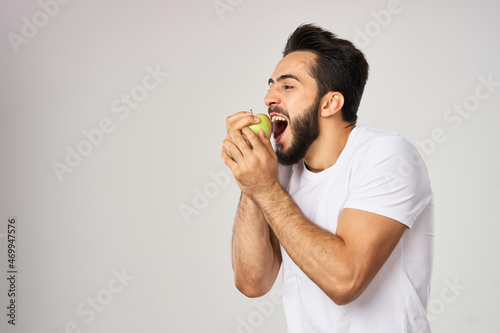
(266,141)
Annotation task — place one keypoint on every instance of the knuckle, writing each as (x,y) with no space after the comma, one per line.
(238,139)
(234,134)
(245,131)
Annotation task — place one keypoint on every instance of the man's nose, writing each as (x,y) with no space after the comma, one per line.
(271,98)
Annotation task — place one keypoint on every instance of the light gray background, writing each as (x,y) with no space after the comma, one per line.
(119,210)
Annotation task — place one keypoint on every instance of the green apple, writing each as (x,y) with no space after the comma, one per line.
(264,124)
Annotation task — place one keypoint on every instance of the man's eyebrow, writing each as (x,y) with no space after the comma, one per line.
(283,77)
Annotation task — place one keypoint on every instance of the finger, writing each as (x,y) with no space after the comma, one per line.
(235,117)
(240,120)
(241,142)
(247,141)
(228,160)
(226,152)
(239,114)
(266,142)
(232,150)
(254,140)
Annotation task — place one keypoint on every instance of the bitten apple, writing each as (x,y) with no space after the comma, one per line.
(264,124)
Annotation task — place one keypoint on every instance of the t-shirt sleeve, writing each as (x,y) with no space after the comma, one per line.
(390,179)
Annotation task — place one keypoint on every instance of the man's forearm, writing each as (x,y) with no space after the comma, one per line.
(320,254)
(256,260)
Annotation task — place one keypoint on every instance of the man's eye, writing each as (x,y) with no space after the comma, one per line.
(287,87)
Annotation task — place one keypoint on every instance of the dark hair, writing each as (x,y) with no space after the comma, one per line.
(339,65)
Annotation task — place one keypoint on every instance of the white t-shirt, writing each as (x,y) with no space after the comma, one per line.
(382,173)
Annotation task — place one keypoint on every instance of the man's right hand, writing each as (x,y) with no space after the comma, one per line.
(236,122)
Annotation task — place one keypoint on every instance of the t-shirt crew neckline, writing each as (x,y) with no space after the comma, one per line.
(322,174)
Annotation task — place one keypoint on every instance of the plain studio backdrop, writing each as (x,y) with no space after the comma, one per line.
(112,118)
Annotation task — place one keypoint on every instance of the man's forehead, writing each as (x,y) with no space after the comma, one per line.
(297,63)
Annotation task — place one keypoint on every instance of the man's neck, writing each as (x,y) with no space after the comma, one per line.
(325,151)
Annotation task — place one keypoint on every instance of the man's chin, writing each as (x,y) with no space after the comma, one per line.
(284,158)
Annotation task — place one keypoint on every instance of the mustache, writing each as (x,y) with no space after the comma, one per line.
(277,109)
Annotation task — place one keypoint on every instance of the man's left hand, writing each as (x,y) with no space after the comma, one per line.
(252,161)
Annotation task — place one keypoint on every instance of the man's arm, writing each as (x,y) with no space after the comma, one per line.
(342,265)
(256,253)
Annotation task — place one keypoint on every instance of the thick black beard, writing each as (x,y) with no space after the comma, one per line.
(305,130)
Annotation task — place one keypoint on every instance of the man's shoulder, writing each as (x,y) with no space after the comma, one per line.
(370,139)
(370,135)
(387,152)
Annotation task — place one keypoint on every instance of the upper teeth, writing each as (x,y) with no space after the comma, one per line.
(278,118)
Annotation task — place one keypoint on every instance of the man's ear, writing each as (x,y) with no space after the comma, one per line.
(331,103)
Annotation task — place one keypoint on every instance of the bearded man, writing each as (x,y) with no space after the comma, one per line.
(346,210)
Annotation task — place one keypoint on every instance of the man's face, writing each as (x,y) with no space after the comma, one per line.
(293,105)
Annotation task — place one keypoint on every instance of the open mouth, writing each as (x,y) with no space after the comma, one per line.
(280,123)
